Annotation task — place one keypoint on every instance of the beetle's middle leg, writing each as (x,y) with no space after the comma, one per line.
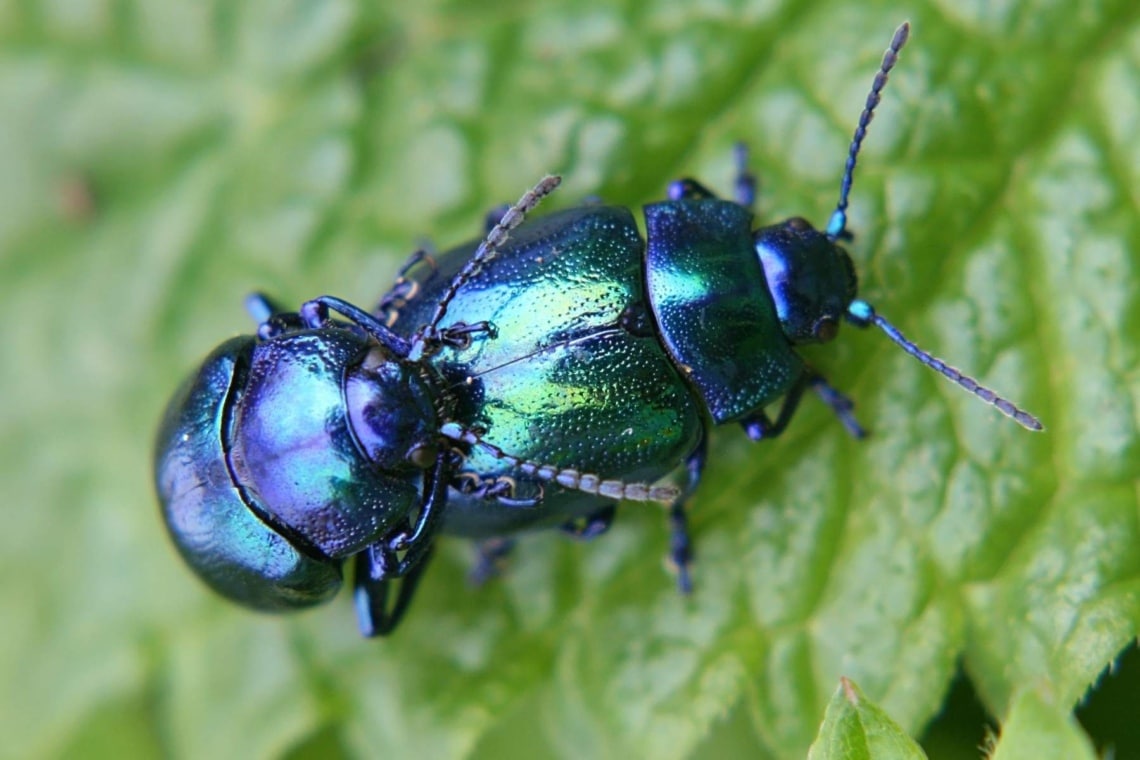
(743,185)
(680,545)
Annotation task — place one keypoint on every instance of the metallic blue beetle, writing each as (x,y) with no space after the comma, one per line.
(533,379)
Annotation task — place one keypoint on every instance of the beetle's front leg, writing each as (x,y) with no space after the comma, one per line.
(759,426)
(372,586)
(840,404)
(379,565)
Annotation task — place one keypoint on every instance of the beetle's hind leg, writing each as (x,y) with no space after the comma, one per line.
(493,553)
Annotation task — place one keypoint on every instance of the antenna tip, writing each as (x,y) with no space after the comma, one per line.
(902,34)
(1027,421)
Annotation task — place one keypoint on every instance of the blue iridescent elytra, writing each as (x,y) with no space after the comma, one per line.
(535,378)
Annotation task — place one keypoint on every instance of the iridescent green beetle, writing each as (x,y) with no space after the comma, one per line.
(533,379)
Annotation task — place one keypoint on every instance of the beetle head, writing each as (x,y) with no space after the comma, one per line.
(810,276)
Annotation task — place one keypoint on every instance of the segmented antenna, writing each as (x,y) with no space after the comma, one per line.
(862,314)
(837,225)
(564,476)
(491,244)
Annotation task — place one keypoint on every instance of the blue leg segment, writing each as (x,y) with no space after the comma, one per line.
(379,567)
(760,426)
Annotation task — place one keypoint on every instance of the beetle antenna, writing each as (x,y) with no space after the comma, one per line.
(565,477)
(862,314)
(837,225)
(491,244)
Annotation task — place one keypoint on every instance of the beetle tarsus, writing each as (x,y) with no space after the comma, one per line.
(759,426)
(840,404)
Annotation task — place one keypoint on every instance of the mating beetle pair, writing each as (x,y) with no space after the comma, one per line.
(533,379)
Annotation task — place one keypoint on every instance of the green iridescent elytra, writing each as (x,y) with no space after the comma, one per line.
(575,375)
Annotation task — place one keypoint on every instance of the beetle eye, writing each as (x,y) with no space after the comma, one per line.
(825,329)
(422,456)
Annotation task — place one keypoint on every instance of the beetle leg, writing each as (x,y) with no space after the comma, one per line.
(491,557)
(688,189)
(404,289)
(460,334)
(501,489)
(840,404)
(680,545)
(744,186)
(760,426)
(271,317)
(315,313)
(379,565)
(416,543)
(592,526)
(372,586)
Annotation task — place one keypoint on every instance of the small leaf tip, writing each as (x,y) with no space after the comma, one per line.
(849,690)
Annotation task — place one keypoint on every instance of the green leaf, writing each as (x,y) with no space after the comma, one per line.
(855,729)
(1038,729)
(163,158)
